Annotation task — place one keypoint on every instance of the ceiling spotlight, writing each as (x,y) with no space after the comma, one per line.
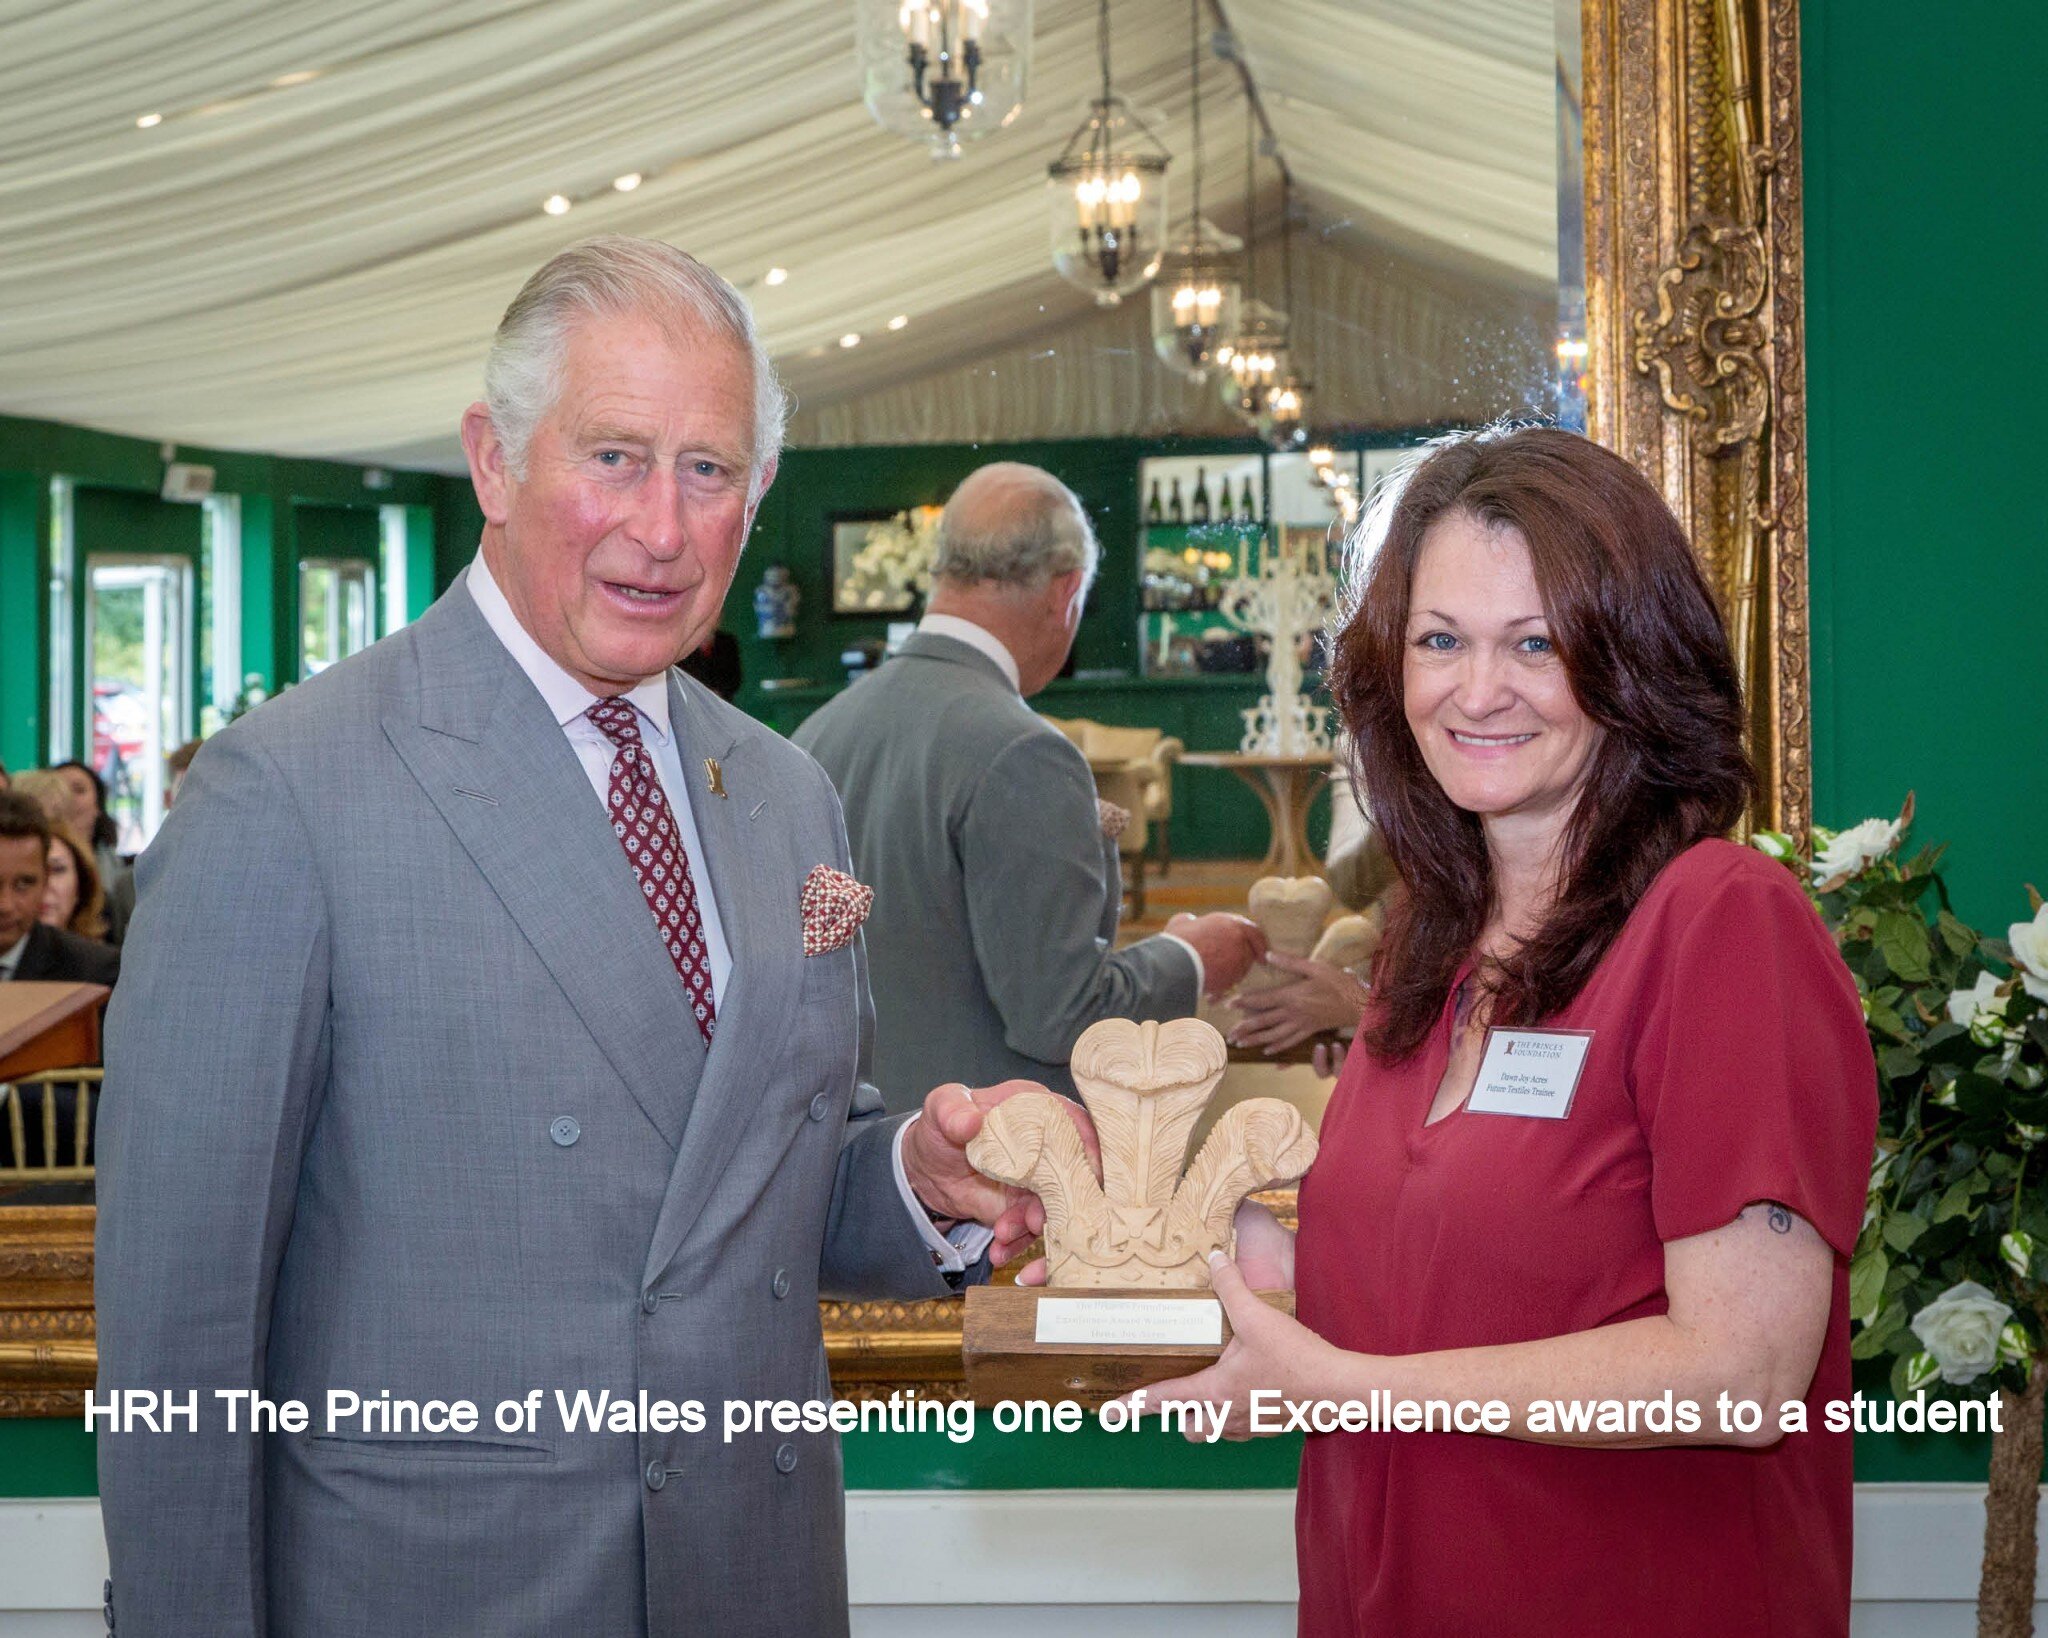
(775,275)
(628,182)
(849,340)
(899,321)
(147,120)
(556,204)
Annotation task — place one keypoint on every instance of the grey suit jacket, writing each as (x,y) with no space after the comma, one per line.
(974,820)
(402,1095)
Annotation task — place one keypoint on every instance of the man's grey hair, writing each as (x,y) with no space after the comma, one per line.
(1020,527)
(605,277)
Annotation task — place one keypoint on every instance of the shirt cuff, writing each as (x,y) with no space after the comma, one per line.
(952,1252)
(1194,955)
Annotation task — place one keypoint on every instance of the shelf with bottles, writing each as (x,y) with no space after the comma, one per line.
(1231,500)
(1186,567)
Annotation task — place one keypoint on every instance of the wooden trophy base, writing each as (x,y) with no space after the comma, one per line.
(1005,1359)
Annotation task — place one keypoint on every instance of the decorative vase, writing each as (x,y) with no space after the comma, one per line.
(775,603)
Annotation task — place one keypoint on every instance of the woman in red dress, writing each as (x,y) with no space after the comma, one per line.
(1605,1133)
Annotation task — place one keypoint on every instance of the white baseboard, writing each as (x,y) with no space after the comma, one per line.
(1130,1563)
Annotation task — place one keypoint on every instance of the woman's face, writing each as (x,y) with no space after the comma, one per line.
(84,807)
(1486,694)
(60,889)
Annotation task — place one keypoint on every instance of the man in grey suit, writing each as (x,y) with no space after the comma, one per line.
(422,1083)
(975,818)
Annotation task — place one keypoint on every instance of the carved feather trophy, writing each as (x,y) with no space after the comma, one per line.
(1127,1254)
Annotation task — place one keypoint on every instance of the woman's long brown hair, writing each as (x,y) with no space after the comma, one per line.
(1643,649)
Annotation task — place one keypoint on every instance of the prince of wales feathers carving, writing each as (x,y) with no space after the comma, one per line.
(1146,1225)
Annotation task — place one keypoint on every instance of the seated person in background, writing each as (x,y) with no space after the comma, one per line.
(974,819)
(90,819)
(175,765)
(72,896)
(28,949)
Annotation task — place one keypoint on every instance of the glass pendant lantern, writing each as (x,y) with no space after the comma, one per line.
(1195,305)
(1256,360)
(943,72)
(1106,195)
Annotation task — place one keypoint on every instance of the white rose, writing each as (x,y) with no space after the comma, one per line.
(1960,1329)
(1774,843)
(1980,1010)
(2029,940)
(1855,850)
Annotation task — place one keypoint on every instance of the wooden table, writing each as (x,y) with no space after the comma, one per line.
(48,1026)
(1285,786)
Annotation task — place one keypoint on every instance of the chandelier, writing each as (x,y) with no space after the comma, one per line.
(1256,359)
(1283,418)
(1107,193)
(942,72)
(1257,354)
(1195,308)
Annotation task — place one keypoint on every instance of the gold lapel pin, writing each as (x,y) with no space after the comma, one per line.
(716,776)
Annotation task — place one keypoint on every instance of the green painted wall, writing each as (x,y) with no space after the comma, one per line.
(272,488)
(1925,359)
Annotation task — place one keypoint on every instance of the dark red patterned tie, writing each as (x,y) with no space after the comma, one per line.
(646,828)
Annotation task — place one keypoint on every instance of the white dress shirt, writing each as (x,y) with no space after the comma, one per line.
(569,699)
(984,641)
(11,959)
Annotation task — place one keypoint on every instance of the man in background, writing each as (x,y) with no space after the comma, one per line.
(975,819)
(28,949)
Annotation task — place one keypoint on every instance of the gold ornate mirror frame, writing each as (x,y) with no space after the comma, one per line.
(1693,295)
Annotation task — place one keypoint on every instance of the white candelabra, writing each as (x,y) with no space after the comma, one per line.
(1284,601)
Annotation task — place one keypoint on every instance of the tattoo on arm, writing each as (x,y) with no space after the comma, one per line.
(1779,1218)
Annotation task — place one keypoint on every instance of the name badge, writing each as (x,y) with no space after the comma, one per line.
(1529,1072)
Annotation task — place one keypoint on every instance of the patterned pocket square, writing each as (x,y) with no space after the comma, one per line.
(1113,819)
(834,906)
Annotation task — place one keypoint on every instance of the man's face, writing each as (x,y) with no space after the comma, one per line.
(21,887)
(617,547)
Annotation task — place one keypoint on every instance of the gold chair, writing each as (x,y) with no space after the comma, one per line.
(1133,768)
(38,1106)
(1147,755)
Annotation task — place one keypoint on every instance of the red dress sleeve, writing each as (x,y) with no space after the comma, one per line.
(1753,1075)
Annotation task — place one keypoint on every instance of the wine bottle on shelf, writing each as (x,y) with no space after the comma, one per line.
(1223,513)
(1154,512)
(1175,512)
(1198,512)
(1246,508)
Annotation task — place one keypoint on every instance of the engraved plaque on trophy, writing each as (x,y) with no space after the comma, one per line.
(1127,1298)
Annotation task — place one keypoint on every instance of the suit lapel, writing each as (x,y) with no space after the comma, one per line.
(498,768)
(38,958)
(756,880)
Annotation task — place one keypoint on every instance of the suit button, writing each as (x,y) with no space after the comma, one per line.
(785,1459)
(780,1284)
(649,1301)
(564,1131)
(657,1475)
(821,1106)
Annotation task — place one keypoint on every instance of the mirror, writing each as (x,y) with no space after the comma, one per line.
(1509,207)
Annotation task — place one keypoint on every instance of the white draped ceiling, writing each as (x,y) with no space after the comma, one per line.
(309,251)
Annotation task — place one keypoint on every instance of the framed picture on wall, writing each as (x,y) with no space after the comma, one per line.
(881,561)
